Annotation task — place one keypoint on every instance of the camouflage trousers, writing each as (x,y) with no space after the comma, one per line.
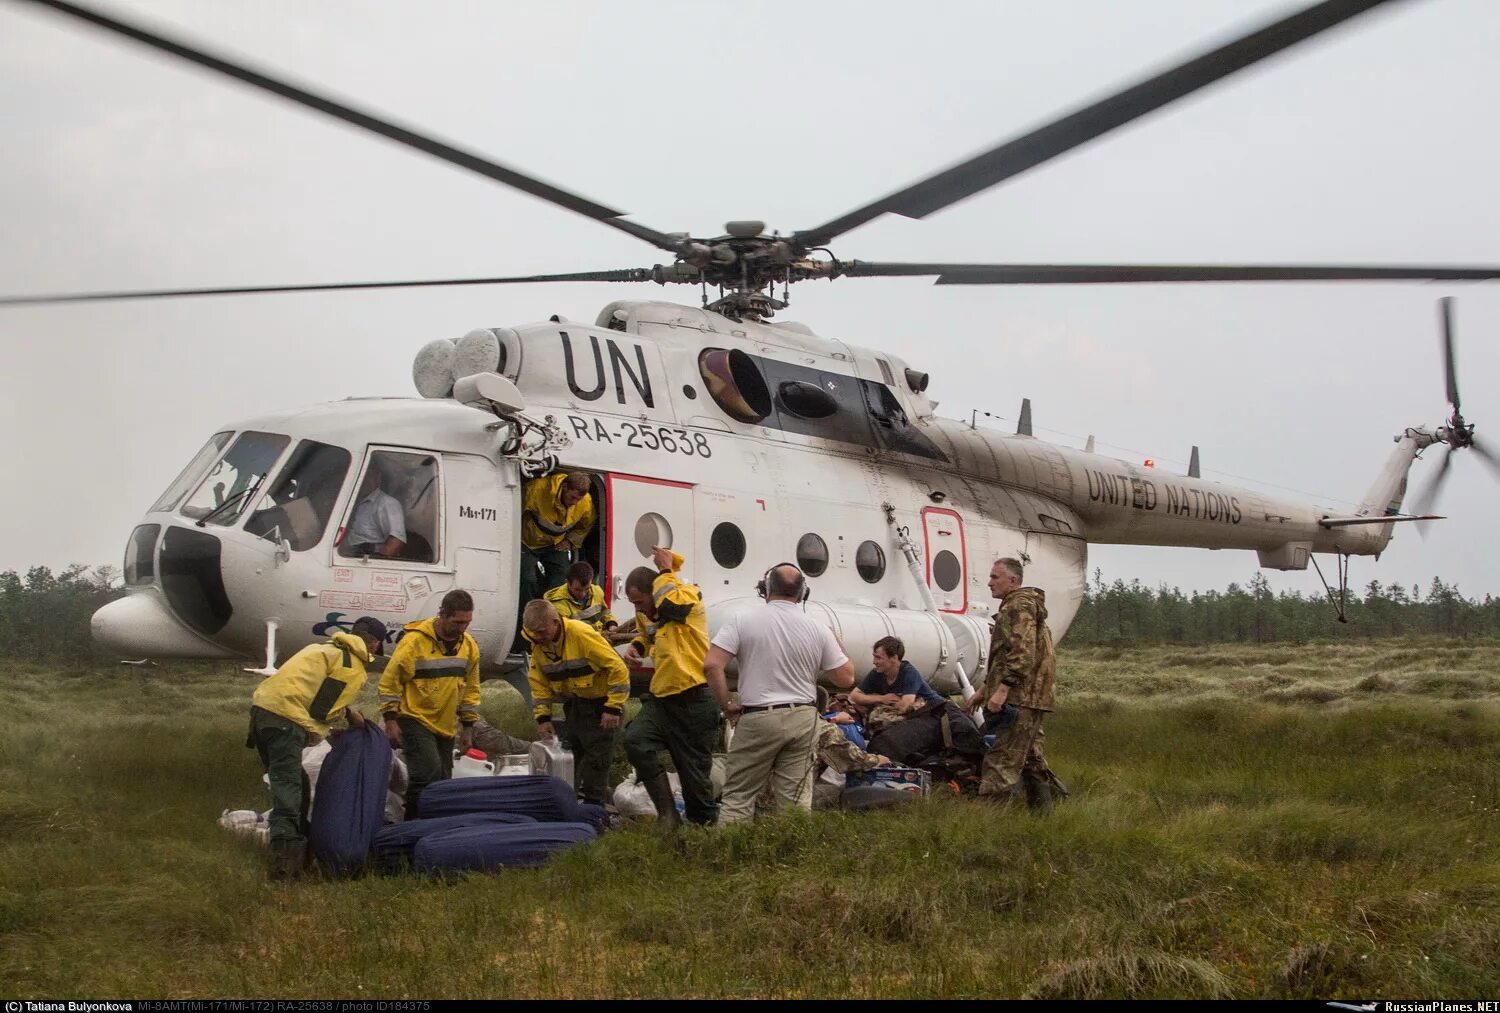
(1016,754)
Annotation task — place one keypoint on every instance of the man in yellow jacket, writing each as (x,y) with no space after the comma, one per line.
(291,710)
(429,693)
(572,662)
(680,713)
(557,513)
(580,598)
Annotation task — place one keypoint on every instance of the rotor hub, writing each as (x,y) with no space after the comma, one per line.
(745,265)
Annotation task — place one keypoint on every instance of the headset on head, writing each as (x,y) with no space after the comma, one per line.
(800,590)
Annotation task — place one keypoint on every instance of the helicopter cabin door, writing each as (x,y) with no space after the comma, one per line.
(642,513)
(947,560)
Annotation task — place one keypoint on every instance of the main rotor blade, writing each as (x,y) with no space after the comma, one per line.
(402,135)
(627,274)
(1030,150)
(1448,361)
(1435,484)
(1117,274)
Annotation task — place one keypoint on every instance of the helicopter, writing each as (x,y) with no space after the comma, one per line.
(739,439)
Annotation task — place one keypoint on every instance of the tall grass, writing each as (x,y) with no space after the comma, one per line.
(1221,841)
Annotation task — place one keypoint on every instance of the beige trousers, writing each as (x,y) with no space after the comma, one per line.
(774,747)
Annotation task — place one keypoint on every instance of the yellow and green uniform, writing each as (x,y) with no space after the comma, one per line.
(580,665)
(429,689)
(316,683)
(425,681)
(581,668)
(680,713)
(549,532)
(546,523)
(677,640)
(291,710)
(594,611)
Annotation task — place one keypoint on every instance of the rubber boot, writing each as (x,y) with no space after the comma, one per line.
(1038,794)
(286,860)
(659,788)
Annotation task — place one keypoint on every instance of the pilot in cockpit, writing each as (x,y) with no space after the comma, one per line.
(378,526)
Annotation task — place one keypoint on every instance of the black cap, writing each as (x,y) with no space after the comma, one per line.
(371,627)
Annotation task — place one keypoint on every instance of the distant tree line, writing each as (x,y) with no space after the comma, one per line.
(46,615)
(1121,613)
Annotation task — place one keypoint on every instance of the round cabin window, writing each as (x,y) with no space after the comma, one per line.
(728,545)
(812,554)
(869,560)
(946,570)
(650,531)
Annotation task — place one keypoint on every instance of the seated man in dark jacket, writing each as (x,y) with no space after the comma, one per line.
(894,687)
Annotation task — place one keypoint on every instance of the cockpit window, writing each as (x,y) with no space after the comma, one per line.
(222,497)
(395,510)
(183,482)
(298,507)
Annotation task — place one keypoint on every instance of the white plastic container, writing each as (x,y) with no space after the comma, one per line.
(471,764)
(248,822)
(241,821)
(549,756)
(514,765)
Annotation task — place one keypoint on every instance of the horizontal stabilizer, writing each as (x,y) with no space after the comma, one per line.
(1344,522)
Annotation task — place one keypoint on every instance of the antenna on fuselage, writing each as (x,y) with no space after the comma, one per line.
(1023,428)
(1193,470)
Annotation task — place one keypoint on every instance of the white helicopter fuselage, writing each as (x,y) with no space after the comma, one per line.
(737,469)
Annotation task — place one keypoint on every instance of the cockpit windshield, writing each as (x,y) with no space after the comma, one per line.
(222,497)
(183,482)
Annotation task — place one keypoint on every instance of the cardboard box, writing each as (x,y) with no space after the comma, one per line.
(897,778)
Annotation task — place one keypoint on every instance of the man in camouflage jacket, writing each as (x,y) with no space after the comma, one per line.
(1022,670)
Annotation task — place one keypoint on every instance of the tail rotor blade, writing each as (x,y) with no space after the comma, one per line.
(1435,484)
(1487,456)
(1448,364)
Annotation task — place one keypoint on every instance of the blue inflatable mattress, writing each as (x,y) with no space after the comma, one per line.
(593,815)
(349,805)
(496,846)
(394,844)
(540,796)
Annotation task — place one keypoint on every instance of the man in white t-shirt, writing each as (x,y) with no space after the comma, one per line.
(781,652)
(378,526)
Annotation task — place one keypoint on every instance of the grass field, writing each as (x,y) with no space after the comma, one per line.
(1318,821)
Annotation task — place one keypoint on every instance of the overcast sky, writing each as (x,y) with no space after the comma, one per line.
(1374,144)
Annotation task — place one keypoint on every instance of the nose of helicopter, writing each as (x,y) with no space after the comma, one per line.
(140,625)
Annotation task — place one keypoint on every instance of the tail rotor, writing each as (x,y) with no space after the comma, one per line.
(1456,433)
